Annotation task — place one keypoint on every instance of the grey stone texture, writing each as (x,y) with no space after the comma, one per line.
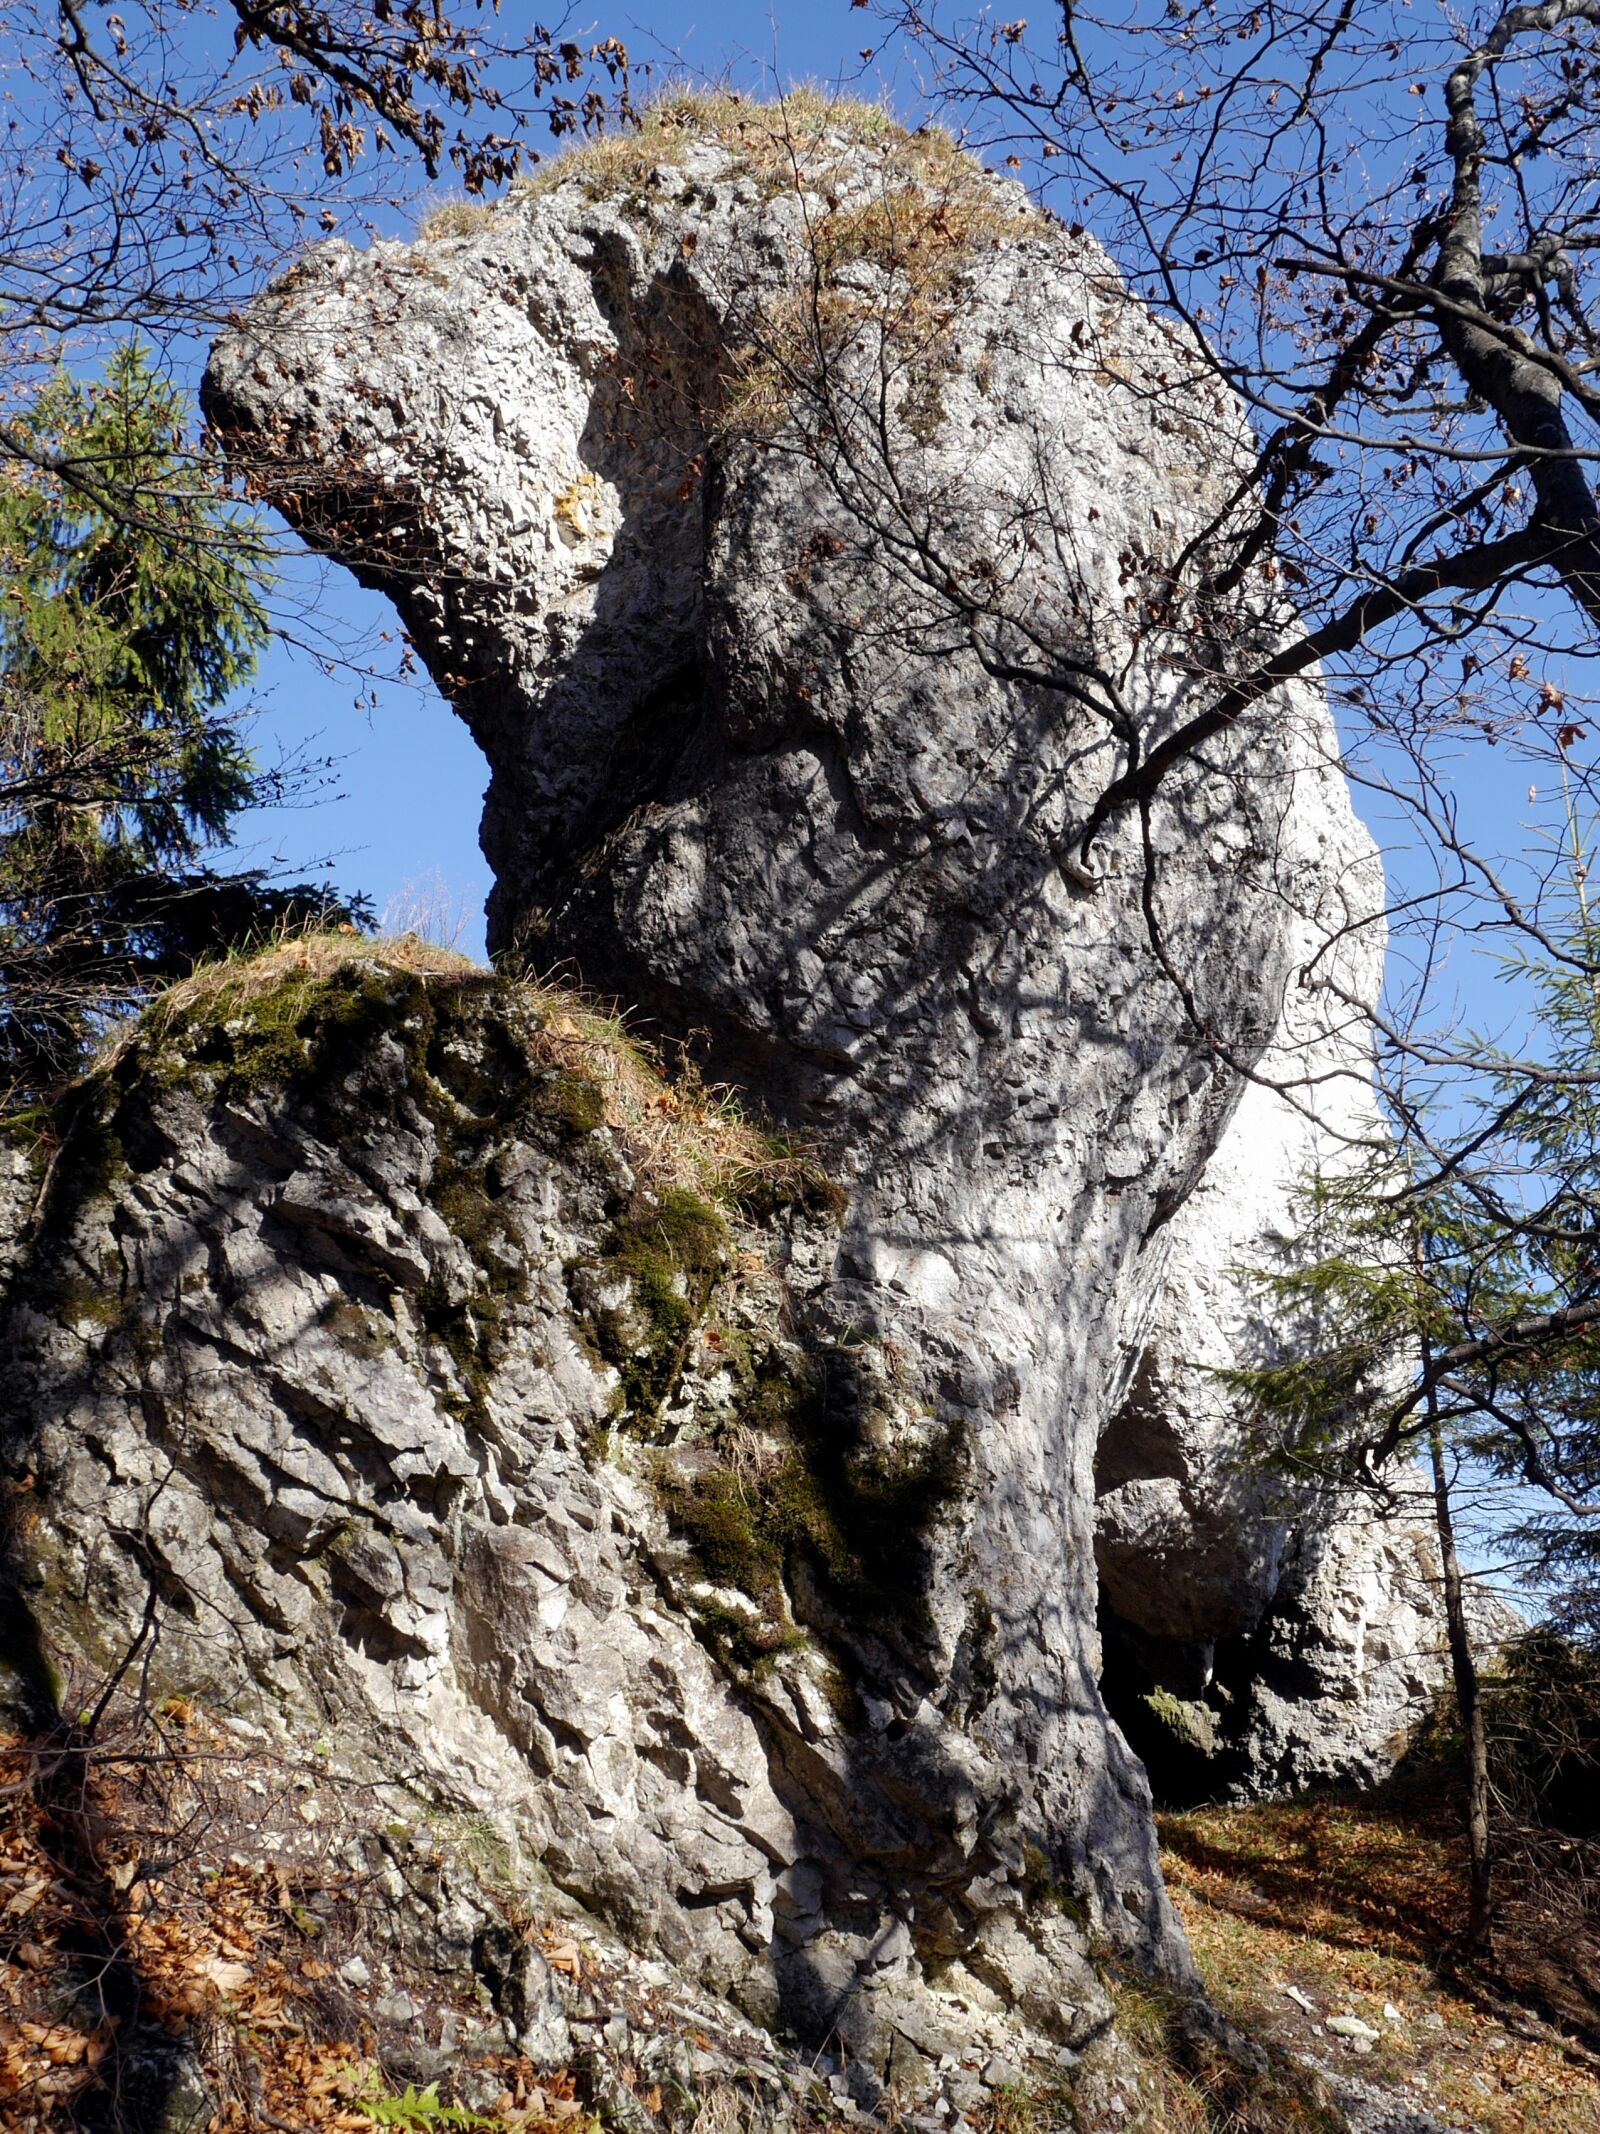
(777,666)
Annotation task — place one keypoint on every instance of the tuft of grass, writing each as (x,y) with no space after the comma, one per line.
(677,1129)
(457,217)
(895,219)
(883,293)
(284,975)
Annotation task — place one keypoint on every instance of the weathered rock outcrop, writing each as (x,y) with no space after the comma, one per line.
(784,516)
(1258,1636)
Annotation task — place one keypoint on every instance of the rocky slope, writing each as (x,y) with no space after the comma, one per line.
(784,515)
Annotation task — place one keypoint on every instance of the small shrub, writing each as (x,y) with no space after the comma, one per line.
(416,2108)
(1543,1712)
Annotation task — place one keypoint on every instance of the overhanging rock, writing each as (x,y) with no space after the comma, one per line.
(762,503)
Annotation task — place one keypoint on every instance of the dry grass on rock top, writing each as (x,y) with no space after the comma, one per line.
(676,1129)
(894,220)
(772,141)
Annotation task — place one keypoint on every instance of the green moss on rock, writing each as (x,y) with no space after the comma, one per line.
(670,1250)
(748,1647)
(285,1034)
(800,1479)
(569,1101)
(466,1329)
(1195,1724)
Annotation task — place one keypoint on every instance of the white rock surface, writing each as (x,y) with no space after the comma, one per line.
(747,774)
(1298,1626)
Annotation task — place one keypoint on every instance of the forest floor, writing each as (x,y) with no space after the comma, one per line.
(1314,1910)
(130,1918)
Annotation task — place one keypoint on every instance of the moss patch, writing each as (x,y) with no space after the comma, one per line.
(668,1249)
(793,1482)
(1194,1723)
(571,1102)
(800,1502)
(285,1037)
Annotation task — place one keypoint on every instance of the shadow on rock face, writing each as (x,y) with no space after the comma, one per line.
(781,677)
(144,2075)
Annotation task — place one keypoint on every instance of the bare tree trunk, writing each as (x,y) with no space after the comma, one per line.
(1469,1701)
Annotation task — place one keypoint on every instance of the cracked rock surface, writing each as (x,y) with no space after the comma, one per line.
(781,752)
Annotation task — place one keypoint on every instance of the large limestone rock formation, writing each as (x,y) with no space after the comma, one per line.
(782,505)
(1258,1636)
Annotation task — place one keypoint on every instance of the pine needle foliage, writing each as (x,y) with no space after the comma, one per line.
(1465,1293)
(126,632)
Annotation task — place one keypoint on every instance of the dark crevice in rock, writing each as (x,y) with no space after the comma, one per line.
(1177,1733)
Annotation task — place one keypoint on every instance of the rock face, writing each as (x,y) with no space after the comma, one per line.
(1258,1637)
(784,516)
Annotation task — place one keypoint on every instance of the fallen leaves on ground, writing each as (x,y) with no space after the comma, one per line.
(219,1951)
(1307,1911)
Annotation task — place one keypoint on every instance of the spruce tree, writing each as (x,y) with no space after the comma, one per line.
(1448,1308)
(125,637)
